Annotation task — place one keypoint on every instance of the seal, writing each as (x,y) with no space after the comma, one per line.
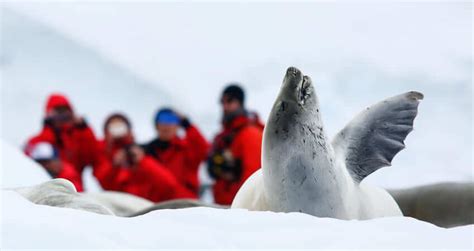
(303,172)
(435,203)
(175,204)
(60,193)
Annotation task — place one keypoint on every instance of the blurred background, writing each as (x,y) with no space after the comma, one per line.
(136,57)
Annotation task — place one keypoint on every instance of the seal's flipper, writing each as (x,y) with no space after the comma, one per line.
(376,135)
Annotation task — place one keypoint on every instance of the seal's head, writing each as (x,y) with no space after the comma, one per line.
(297,88)
(296,106)
(294,123)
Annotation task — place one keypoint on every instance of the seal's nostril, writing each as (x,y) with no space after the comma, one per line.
(292,70)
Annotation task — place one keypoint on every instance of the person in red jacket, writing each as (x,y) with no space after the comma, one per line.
(236,150)
(124,167)
(182,156)
(69,134)
(45,154)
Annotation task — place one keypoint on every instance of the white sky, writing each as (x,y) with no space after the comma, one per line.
(168,43)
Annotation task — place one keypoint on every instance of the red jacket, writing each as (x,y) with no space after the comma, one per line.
(182,156)
(245,146)
(76,144)
(148,179)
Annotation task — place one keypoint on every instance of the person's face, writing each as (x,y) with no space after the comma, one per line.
(62,115)
(166,132)
(230,105)
(117,129)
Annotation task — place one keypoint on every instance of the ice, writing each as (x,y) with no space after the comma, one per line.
(48,227)
(17,170)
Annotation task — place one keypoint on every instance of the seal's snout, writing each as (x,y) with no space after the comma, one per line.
(294,85)
(293,76)
(415,95)
(292,71)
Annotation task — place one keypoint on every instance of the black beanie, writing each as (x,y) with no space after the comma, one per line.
(234,91)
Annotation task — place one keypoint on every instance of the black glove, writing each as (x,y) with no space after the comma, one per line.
(185,123)
(48,122)
(80,123)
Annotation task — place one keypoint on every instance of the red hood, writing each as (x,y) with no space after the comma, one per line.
(242,120)
(237,122)
(56,100)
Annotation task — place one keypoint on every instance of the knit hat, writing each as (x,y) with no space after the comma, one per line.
(234,91)
(167,116)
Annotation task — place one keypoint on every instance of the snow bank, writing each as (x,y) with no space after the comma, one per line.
(17,170)
(48,227)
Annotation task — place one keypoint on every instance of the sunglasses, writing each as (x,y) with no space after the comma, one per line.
(226,100)
(62,109)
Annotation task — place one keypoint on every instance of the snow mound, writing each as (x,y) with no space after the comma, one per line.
(17,169)
(49,227)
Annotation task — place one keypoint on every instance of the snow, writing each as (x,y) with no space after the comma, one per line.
(48,227)
(14,165)
(137,57)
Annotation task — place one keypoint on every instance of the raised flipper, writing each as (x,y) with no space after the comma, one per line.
(376,135)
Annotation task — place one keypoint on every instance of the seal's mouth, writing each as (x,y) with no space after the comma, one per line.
(304,90)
